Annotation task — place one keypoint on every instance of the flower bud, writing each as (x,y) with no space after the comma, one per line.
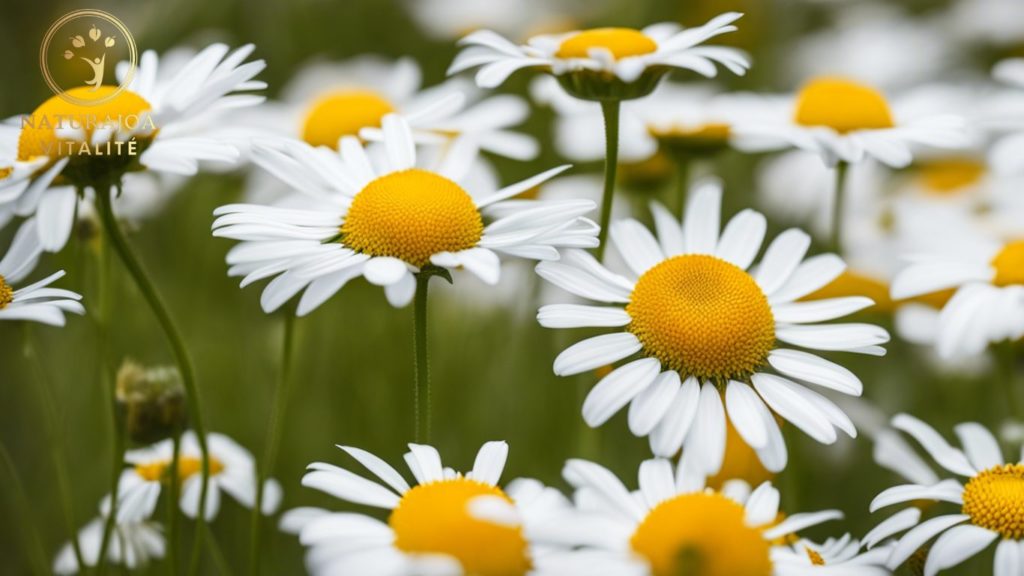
(151,402)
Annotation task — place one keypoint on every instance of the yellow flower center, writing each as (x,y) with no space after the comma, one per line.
(949,176)
(434,518)
(816,558)
(842,105)
(412,215)
(39,131)
(621,42)
(6,293)
(156,471)
(702,533)
(994,499)
(702,316)
(343,113)
(1009,264)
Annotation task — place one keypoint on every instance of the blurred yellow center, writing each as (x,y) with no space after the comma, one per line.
(343,113)
(434,518)
(156,470)
(1009,264)
(853,283)
(740,462)
(702,533)
(842,105)
(412,215)
(702,316)
(816,558)
(712,131)
(6,293)
(621,42)
(994,499)
(949,176)
(39,137)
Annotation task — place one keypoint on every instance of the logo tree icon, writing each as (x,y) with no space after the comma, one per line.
(97,43)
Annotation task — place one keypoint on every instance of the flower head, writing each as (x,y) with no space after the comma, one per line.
(158,123)
(845,120)
(706,324)
(444,523)
(603,63)
(991,502)
(389,221)
(36,302)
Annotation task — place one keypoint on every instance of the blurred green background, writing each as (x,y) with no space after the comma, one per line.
(491,367)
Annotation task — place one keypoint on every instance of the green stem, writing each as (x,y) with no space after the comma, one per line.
(683,169)
(24,516)
(421,393)
(836,240)
(124,250)
(172,506)
(56,433)
(1007,358)
(266,469)
(117,425)
(221,563)
(610,109)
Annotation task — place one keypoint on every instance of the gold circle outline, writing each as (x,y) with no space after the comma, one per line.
(45,46)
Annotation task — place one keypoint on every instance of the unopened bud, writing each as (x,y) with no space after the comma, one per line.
(151,402)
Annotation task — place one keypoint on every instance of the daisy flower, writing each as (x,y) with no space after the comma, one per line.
(603,63)
(132,545)
(990,502)
(673,525)
(445,523)
(63,150)
(387,223)
(706,323)
(845,121)
(843,555)
(327,101)
(36,302)
(232,471)
(692,118)
(987,274)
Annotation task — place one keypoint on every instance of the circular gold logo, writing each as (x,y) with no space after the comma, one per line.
(80,53)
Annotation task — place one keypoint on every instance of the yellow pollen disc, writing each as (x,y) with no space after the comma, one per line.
(1009,264)
(434,518)
(343,113)
(816,558)
(949,176)
(702,316)
(412,215)
(6,293)
(994,499)
(842,105)
(702,533)
(621,42)
(38,135)
(187,466)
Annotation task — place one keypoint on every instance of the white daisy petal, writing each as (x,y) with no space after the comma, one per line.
(596,352)
(617,389)
(956,545)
